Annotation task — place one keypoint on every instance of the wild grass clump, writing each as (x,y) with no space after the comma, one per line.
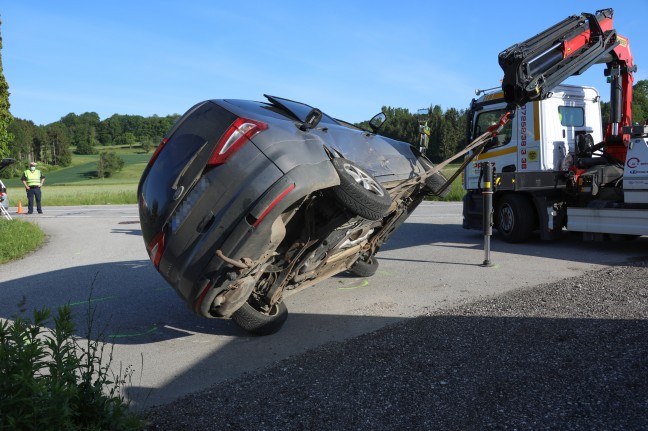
(18,238)
(50,380)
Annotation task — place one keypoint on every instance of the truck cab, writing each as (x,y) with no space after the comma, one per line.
(534,158)
(531,156)
(541,135)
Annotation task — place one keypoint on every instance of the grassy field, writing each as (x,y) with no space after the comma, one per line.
(77,184)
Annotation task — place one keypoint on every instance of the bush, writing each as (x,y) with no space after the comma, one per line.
(51,381)
(108,164)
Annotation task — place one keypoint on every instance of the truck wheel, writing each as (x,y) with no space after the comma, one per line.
(364,268)
(360,192)
(259,322)
(436,181)
(515,218)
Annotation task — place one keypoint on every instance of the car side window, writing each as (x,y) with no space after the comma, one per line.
(489,118)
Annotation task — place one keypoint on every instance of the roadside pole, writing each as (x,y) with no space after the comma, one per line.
(487,216)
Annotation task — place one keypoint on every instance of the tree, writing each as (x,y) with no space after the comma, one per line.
(108,164)
(639,104)
(147,144)
(640,101)
(22,139)
(126,139)
(57,151)
(85,139)
(5,115)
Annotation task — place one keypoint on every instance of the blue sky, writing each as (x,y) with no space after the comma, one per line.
(348,58)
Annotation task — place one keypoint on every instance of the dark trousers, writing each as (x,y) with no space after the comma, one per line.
(34,192)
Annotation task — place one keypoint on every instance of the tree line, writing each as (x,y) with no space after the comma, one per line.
(448,134)
(54,143)
(447,129)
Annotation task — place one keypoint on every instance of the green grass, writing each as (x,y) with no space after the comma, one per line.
(77,184)
(19,238)
(457,191)
(92,194)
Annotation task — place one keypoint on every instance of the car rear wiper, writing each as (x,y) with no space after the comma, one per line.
(174,186)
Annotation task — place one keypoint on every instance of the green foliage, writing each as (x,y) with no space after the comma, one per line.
(147,144)
(109,163)
(52,143)
(126,139)
(447,129)
(51,380)
(5,115)
(57,145)
(19,238)
(639,104)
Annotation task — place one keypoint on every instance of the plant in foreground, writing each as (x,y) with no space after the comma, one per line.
(49,379)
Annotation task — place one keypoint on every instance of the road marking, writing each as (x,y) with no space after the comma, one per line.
(135,334)
(363,284)
(87,301)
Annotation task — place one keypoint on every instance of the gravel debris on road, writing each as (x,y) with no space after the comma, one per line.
(571,355)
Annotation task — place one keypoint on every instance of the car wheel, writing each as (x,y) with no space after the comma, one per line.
(515,218)
(360,192)
(261,323)
(436,181)
(364,268)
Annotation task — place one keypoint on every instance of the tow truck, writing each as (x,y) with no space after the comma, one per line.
(555,167)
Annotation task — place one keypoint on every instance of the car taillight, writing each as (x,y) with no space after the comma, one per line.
(238,133)
(156,248)
(157,152)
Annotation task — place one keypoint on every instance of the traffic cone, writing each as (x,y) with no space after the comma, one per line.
(20,209)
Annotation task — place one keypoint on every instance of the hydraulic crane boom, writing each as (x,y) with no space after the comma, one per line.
(534,67)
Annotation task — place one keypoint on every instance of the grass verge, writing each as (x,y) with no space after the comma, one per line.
(18,238)
(114,194)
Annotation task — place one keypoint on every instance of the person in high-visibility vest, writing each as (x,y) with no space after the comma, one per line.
(33,180)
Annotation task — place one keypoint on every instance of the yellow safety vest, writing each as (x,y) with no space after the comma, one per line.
(33,178)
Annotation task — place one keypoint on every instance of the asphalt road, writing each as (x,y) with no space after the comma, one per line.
(95,259)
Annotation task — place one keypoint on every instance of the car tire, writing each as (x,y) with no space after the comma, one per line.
(364,268)
(258,322)
(515,218)
(436,181)
(359,192)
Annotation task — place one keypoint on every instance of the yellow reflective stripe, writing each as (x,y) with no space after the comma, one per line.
(536,120)
(497,153)
(493,96)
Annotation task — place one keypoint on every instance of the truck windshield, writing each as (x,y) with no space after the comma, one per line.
(487,119)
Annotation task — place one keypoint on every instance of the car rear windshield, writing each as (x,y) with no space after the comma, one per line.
(181,161)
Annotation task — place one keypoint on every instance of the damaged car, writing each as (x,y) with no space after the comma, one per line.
(246,202)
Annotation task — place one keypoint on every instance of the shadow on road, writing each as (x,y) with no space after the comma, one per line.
(570,247)
(132,304)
